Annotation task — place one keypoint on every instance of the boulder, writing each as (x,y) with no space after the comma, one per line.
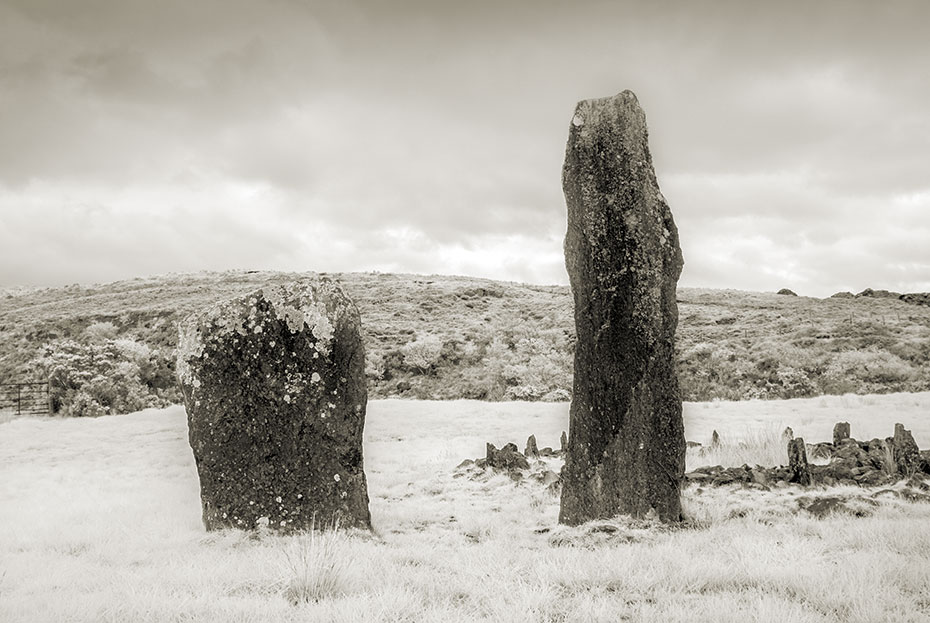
(626,451)
(786,292)
(274,387)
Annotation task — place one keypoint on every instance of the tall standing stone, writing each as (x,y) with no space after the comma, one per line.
(626,447)
(274,386)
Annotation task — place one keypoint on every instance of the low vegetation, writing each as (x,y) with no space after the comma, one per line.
(105,516)
(110,348)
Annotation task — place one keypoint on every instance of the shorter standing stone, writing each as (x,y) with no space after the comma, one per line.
(564,442)
(906,452)
(275,391)
(787,435)
(797,462)
(531,452)
(714,440)
(840,432)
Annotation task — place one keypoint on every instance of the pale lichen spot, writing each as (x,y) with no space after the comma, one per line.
(336,477)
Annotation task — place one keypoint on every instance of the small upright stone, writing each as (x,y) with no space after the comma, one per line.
(906,453)
(840,432)
(787,434)
(531,452)
(563,442)
(274,386)
(715,440)
(797,462)
(626,450)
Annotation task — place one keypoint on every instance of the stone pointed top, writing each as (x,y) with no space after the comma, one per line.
(622,111)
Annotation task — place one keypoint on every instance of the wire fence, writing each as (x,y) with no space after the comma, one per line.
(24,398)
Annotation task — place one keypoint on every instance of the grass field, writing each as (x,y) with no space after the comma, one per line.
(100,521)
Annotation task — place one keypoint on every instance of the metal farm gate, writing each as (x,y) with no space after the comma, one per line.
(24,398)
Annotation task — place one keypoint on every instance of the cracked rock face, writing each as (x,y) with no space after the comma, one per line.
(626,448)
(275,392)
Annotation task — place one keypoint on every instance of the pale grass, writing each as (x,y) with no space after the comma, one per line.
(101,522)
(764,445)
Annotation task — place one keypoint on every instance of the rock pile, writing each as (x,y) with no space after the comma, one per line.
(852,462)
(509,461)
(917,298)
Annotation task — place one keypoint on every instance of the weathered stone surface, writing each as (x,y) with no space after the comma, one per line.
(507,458)
(531,452)
(906,453)
(274,386)
(840,432)
(797,462)
(626,450)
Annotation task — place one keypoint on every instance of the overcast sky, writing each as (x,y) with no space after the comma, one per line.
(791,139)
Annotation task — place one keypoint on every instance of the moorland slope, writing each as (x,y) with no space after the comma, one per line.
(110,348)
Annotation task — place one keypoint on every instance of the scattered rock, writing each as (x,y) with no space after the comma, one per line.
(842,295)
(627,447)
(275,391)
(693,444)
(786,292)
(822,507)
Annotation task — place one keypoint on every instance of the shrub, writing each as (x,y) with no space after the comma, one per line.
(423,353)
(112,376)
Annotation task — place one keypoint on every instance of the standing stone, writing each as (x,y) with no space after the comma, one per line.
(840,432)
(715,440)
(563,442)
(906,453)
(797,462)
(787,434)
(531,451)
(626,448)
(274,386)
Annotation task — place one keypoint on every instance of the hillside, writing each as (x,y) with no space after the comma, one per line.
(109,348)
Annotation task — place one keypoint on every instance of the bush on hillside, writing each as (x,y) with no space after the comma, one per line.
(104,377)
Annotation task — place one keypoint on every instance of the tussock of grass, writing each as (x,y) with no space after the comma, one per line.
(316,565)
(757,446)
